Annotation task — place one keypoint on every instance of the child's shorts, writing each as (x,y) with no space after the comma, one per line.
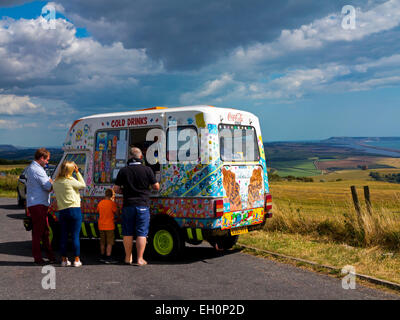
(107,237)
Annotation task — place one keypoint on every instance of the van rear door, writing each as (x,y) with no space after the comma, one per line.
(243,178)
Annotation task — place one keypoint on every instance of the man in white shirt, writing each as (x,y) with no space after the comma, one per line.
(38,187)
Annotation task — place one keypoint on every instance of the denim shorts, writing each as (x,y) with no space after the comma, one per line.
(135,221)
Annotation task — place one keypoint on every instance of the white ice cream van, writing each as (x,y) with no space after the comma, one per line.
(210,163)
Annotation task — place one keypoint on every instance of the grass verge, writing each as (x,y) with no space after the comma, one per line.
(373,261)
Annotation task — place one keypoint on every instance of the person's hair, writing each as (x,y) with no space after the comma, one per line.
(42,152)
(109,193)
(135,153)
(66,169)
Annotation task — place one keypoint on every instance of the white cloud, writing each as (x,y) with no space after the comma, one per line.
(213,86)
(296,83)
(210,88)
(13,124)
(365,85)
(329,29)
(15,105)
(28,51)
(57,6)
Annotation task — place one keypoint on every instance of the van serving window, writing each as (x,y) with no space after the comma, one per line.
(110,155)
(138,138)
(238,143)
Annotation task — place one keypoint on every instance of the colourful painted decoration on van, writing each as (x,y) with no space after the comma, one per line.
(242,218)
(187,191)
(191,180)
(229,220)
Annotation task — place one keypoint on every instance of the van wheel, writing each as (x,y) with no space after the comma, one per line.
(224,242)
(166,241)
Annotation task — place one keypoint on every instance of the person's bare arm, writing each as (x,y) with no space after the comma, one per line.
(80,183)
(156,186)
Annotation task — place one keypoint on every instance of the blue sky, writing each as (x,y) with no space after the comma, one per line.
(290,62)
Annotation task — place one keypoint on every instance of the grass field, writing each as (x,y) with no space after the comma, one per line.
(314,166)
(326,198)
(317,221)
(297,168)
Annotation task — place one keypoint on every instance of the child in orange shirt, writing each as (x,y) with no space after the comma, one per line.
(107,208)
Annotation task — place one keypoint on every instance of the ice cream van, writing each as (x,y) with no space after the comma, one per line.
(210,163)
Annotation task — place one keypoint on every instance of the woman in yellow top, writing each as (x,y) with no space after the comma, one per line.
(66,188)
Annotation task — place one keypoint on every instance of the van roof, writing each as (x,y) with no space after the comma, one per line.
(199,108)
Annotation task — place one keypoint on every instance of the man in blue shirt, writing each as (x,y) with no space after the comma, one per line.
(38,187)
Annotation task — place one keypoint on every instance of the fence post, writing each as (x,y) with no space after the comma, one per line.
(367,199)
(355,199)
(357,206)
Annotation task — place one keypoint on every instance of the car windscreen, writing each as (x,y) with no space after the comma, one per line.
(238,143)
(78,158)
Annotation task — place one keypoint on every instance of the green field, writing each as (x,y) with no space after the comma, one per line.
(8,183)
(297,168)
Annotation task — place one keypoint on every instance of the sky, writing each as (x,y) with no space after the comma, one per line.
(309,70)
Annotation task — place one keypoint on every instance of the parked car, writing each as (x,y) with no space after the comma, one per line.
(21,185)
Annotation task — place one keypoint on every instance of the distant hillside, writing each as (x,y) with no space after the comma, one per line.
(7,147)
(358,139)
(10,152)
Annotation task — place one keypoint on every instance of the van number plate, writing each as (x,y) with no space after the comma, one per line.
(237,231)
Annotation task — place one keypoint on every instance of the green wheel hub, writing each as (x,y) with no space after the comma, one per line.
(163,242)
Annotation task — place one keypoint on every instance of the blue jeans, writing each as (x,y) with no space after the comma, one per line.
(70,221)
(135,221)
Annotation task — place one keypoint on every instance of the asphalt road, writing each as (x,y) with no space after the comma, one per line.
(202,274)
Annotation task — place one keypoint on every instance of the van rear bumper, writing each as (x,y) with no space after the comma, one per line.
(199,234)
(219,232)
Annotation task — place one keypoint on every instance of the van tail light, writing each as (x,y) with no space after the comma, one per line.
(219,208)
(268,202)
(27,213)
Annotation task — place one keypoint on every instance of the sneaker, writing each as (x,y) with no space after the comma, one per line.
(66,263)
(77,263)
(102,258)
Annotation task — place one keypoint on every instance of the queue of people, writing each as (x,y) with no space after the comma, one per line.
(133,182)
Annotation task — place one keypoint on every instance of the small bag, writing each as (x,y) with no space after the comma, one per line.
(28,223)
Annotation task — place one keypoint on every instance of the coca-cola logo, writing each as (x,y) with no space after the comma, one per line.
(236,117)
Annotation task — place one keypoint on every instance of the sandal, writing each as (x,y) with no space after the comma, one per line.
(139,264)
